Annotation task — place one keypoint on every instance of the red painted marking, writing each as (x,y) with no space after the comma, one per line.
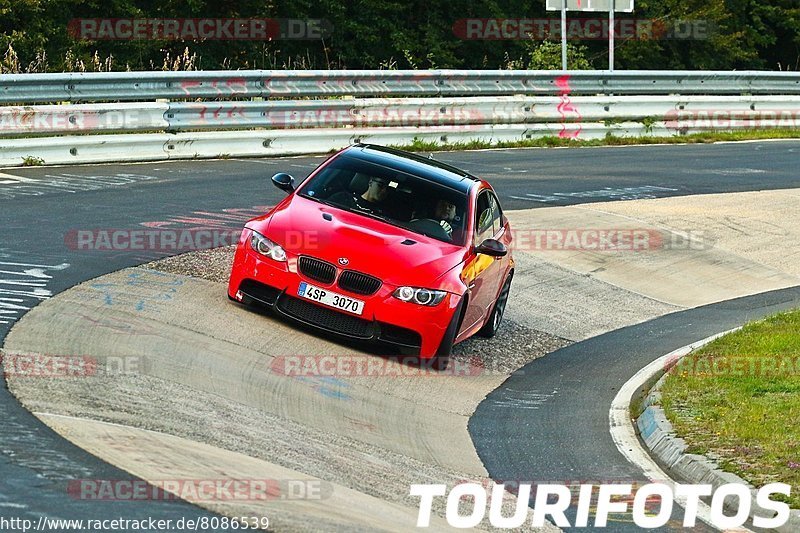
(187,85)
(566,107)
(360,424)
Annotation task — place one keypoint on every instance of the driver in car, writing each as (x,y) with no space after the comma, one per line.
(373,200)
(445,214)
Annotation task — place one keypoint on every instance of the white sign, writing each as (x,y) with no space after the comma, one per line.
(591,5)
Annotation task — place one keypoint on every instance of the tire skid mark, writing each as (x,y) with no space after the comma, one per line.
(523,399)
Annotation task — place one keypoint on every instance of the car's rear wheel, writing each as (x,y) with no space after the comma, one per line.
(496,317)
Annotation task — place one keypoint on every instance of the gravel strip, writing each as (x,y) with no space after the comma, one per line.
(212,265)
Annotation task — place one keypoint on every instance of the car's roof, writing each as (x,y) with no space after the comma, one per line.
(430,169)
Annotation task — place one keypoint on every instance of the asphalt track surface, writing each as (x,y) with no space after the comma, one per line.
(566,438)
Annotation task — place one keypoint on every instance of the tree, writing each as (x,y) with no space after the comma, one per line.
(743,34)
(547,56)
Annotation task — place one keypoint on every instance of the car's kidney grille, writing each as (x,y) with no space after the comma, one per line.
(326,318)
(317,270)
(359,283)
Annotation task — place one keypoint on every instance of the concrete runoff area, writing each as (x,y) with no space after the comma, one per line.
(697,250)
(759,226)
(670,267)
(204,370)
(205,384)
(344,508)
(549,297)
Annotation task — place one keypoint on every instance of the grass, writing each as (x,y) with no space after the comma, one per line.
(419,145)
(32,161)
(738,400)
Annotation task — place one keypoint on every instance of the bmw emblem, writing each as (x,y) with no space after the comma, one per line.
(344,261)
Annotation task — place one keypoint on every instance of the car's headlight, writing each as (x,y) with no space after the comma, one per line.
(419,296)
(264,246)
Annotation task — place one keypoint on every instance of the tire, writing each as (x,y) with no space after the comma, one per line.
(489,329)
(442,357)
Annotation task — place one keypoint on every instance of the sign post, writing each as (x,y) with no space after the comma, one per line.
(563,34)
(610,6)
(611,36)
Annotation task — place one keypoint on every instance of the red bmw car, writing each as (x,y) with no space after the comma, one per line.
(381,245)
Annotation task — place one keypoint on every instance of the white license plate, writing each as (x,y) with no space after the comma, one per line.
(330,298)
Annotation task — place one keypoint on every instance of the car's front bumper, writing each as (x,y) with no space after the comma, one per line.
(417,329)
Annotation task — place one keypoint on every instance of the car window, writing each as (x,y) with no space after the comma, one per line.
(497,215)
(487,217)
(394,196)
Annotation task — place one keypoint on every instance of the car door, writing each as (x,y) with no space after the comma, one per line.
(484,272)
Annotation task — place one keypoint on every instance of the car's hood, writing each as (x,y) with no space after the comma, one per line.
(371,246)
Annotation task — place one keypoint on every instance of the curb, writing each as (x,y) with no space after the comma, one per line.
(669,451)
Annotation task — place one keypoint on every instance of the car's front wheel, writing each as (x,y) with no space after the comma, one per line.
(442,357)
(496,317)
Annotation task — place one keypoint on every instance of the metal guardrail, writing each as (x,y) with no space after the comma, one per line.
(173,117)
(264,143)
(142,86)
(82,118)
(169,115)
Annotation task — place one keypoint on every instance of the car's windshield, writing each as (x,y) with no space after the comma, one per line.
(396,197)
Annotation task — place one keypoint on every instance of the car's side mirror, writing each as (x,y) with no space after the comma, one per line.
(492,247)
(283,181)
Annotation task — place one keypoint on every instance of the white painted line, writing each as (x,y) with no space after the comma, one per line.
(9,178)
(13,505)
(531,199)
(276,160)
(107,164)
(753,141)
(614,146)
(268,162)
(62,266)
(624,434)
